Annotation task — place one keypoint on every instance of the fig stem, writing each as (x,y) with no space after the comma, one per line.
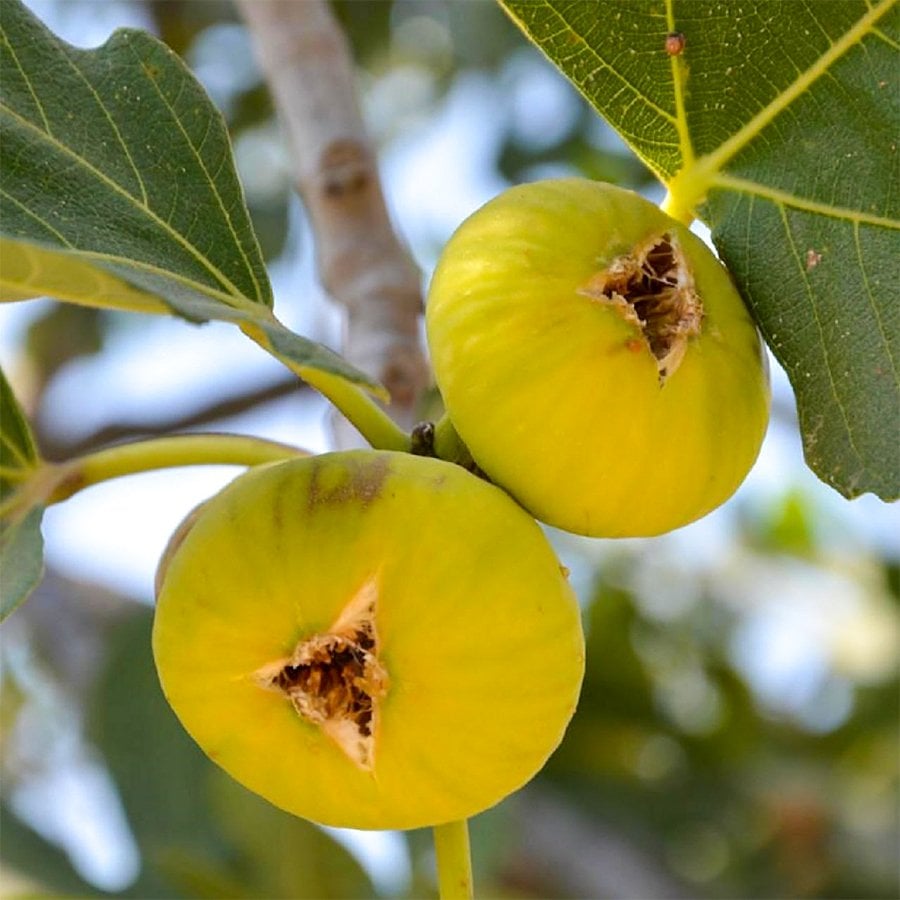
(163,453)
(454,863)
(674,206)
(366,416)
(448,445)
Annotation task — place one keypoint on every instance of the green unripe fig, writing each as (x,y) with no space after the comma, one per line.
(596,359)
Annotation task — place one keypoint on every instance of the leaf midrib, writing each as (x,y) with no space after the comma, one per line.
(24,461)
(204,261)
(695,178)
(47,136)
(678,86)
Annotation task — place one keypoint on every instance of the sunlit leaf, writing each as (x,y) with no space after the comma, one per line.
(119,188)
(21,544)
(30,270)
(778,123)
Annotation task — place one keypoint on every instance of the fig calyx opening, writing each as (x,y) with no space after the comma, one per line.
(653,287)
(335,679)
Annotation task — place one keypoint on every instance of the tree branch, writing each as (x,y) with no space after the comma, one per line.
(56,448)
(362,264)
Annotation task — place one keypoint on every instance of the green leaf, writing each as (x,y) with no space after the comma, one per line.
(119,188)
(18,453)
(118,156)
(778,123)
(21,544)
(31,270)
(21,560)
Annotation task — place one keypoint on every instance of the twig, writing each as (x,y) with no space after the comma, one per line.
(306,61)
(54,448)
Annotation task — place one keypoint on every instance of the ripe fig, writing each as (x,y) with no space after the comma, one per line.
(369,639)
(596,359)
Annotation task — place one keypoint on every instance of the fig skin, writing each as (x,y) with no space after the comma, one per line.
(557,392)
(475,626)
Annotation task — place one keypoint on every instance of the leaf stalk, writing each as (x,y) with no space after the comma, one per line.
(162,453)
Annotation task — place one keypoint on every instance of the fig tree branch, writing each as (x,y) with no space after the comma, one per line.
(362,264)
(56,447)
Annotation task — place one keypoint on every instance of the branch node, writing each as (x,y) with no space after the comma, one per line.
(345,169)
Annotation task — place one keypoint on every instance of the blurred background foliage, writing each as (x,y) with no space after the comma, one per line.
(738,730)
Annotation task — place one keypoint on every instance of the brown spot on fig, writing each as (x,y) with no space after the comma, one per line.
(653,288)
(359,481)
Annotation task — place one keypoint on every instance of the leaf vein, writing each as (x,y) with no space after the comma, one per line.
(875,310)
(30,212)
(678,78)
(823,344)
(784,198)
(211,178)
(256,311)
(113,125)
(877,32)
(204,261)
(27,80)
(25,461)
(602,65)
(714,161)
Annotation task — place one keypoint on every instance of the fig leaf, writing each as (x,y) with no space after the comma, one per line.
(21,544)
(119,188)
(777,124)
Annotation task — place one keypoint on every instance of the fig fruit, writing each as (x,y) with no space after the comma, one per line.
(596,359)
(369,639)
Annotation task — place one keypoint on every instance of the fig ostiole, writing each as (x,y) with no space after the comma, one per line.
(369,639)
(596,359)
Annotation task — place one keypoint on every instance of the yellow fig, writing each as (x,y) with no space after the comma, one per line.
(596,359)
(369,639)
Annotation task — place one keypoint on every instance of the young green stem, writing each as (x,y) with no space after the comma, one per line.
(454,865)
(448,444)
(674,206)
(369,419)
(164,453)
